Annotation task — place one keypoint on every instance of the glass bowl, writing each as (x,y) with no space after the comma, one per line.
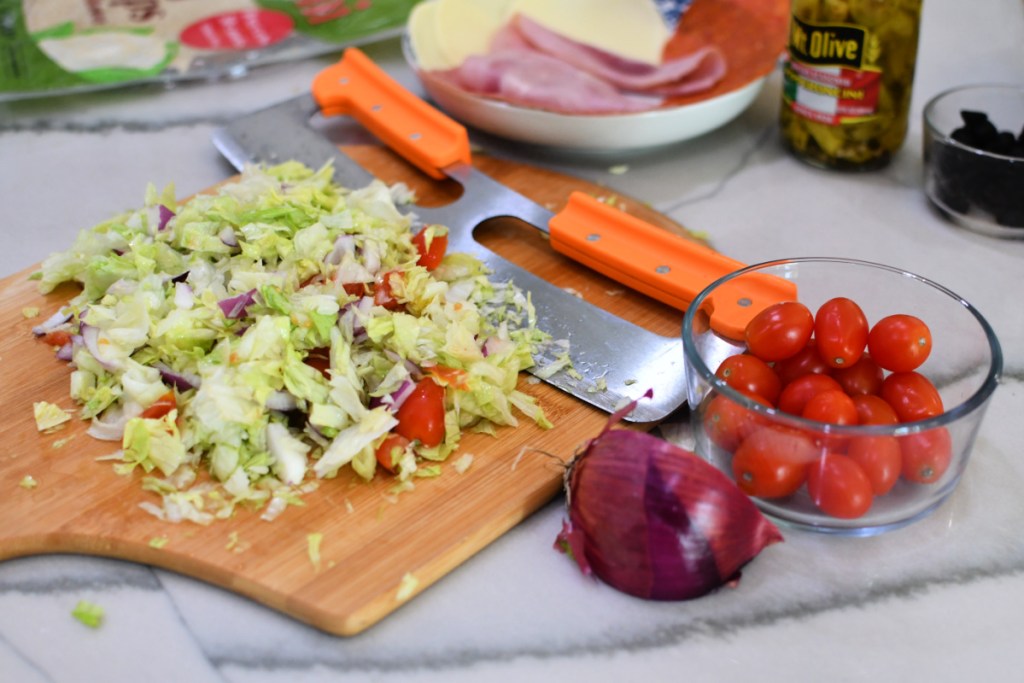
(964,365)
(977,188)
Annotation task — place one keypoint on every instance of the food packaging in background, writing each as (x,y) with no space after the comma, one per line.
(54,47)
(848,80)
(57,47)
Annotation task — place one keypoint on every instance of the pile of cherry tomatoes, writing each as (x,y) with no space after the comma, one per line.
(832,367)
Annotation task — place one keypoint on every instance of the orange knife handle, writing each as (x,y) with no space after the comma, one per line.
(659,263)
(424,136)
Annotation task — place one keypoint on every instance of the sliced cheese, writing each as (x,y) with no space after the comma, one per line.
(444,33)
(466,27)
(423,37)
(629,28)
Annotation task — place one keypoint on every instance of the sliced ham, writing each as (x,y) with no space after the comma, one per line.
(708,62)
(532,66)
(536,80)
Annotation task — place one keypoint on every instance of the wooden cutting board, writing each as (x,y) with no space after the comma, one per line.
(377,551)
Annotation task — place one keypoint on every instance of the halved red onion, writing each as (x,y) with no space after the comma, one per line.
(234,307)
(654,520)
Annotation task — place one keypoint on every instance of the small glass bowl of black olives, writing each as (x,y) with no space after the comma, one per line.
(974,157)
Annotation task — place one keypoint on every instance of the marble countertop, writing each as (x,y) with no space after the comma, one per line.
(939,600)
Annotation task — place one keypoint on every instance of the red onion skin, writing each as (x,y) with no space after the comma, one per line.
(655,521)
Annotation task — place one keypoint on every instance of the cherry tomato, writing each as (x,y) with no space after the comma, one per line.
(805,362)
(839,486)
(796,394)
(880,458)
(750,374)
(862,378)
(432,253)
(912,396)
(873,410)
(926,455)
(383,290)
(727,423)
(421,417)
(779,331)
(390,451)
(841,332)
(355,288)
(832,406)
(900,343)
(772,462)
(160,407)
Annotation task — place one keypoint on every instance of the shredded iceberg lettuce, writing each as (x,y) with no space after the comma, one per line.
(255,305)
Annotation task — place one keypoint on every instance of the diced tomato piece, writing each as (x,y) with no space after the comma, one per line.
(160,407)
(390,449)
(383,293)
(431,242)
(421,417)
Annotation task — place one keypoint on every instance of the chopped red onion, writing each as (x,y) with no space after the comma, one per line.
(53,322)
(395,399)
(110,425)
(165,217)
(496,345)
(345,244)
(228,236)
(66,351)
(234,307)
(91,339)
(182,381)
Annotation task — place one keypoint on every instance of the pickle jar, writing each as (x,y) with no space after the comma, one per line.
(848,79)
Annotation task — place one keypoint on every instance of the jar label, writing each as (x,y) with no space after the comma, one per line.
(830,76)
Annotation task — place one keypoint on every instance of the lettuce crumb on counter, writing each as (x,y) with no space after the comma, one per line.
(88,613)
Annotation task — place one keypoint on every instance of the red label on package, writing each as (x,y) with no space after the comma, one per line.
(242,30)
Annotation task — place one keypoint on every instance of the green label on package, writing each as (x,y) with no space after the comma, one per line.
(58,46)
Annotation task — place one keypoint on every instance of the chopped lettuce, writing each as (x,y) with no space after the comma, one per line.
(88,613)
(255,306)
(48,415)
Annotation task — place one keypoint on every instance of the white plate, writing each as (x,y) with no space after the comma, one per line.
(594,133)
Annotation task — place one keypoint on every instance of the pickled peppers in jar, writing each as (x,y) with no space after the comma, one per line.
(848,80)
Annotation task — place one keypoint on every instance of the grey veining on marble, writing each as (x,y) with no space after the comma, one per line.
(941,600)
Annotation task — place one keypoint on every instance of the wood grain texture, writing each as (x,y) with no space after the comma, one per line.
(377,551)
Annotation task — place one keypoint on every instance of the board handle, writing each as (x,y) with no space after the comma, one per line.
(425,137)
(661,264)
